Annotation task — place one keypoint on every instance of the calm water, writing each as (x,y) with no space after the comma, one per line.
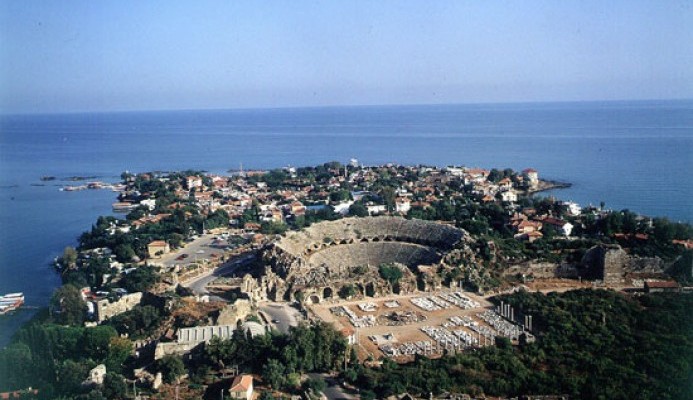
(634,155)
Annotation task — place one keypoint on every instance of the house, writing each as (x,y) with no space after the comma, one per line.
(149,203)
(523,226)
(349,334)
(532,236)
(158,247)
(277,215)
(402,205)
(571,208)
(252,226)
(193,182)
(505,184)
(561,227)
(376,209)
(685,243)
(532,176)
(508,196)
(487,199)
(661,286)
(297,208)
(242,387)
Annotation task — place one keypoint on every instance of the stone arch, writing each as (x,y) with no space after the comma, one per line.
(364,240)
(361,288)
(370,289)
(327,293)
(314,299)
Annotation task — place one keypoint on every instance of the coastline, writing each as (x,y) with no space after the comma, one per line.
(546,185)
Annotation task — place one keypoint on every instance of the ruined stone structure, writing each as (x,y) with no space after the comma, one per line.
(321,259)
(610,263)
(232,313)
(105,309)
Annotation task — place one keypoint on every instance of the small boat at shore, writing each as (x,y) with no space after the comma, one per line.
(73,188)
(124,206)
(11,302)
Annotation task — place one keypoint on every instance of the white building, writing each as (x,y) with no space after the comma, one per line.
(532,175)
(242,387)
(376,209)
(402,205)
(149,203)
(572,208)
(509,196)
(193,182)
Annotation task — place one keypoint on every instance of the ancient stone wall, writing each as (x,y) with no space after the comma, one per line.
(106,309)
(610,263)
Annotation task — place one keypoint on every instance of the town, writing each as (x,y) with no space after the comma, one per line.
(329,281)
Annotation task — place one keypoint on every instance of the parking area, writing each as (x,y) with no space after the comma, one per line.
(203,248)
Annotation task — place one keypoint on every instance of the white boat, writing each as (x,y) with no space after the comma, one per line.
(11,302)
(124,206)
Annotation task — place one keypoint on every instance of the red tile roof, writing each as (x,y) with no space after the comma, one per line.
(662,284)
(241,383)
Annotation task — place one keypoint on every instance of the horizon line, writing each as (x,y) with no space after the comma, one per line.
(305,107)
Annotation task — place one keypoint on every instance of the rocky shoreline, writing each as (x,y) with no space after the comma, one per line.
(543,186)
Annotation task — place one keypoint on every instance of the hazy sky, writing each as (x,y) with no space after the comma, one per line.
(130,55)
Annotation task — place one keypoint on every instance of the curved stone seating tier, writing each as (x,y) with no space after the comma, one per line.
(371,229)
(374,254)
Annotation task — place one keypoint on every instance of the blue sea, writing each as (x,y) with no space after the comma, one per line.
(635,155)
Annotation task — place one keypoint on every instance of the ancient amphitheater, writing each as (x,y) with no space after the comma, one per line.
(323,258)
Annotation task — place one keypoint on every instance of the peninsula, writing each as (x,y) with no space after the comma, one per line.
(352,281)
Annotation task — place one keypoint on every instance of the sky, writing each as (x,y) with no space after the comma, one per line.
(144,55)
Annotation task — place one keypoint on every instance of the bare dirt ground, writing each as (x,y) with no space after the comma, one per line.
(557,285)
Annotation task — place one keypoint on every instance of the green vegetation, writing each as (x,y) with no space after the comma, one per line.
(171,367)
(141,279)
(56,360)
(591,344)
(390,273)
(139,322)
(347,291)
(358,210)
(67,306)
(277,357)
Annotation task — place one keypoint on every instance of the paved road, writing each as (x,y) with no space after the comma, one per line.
(199,284)
(333,391)
(285,315)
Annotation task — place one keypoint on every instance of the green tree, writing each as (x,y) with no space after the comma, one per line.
(340,195)
(114,386)
(141,279)
(266,395)
(119,350)
(69,257)
(347,291)
(96,341)
(67,306)
(317,385)
(124,253)
(390,273)
(273,373)
(171,367)
(389,196)
(358,210)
